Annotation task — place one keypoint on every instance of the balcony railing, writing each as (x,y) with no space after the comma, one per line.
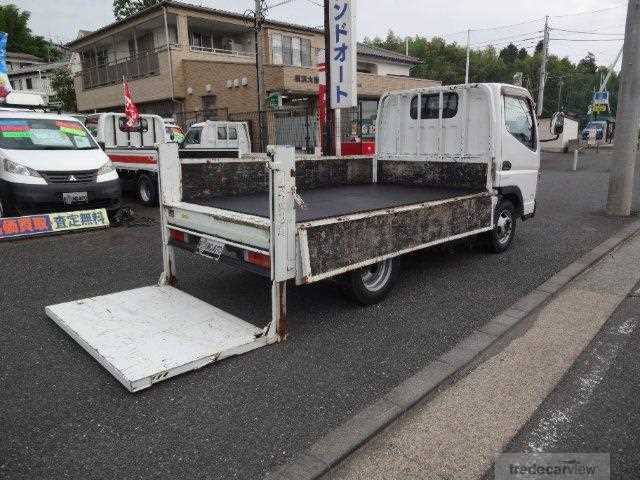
(142,65)
(220,51)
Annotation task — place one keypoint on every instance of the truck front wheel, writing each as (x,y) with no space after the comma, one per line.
(372,284)
(147,190)
(504,231)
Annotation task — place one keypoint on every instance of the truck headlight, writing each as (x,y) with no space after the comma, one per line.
(17,169)
(106,168)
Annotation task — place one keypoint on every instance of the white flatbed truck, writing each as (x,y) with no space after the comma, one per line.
(452,162)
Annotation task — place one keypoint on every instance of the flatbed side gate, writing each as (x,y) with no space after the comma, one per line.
(147,335)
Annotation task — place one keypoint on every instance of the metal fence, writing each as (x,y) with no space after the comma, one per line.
(131,68)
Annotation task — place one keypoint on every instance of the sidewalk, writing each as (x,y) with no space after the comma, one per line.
(457,432)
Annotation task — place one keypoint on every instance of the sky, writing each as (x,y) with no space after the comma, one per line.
(600,23)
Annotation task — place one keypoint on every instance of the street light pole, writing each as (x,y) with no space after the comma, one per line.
(625,150)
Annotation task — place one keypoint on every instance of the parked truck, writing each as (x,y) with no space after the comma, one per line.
(452,162)
(133,149)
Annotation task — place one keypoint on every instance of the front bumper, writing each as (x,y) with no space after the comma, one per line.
(45,198)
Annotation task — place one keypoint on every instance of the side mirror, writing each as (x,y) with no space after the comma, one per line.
(557,123)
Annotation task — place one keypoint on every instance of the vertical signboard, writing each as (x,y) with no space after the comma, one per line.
(343,55)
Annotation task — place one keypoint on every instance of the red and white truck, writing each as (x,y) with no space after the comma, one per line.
(134,152)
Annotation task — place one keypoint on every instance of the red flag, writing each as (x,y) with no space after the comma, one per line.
(130,109)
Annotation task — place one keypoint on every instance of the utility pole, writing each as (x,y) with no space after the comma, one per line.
(258,17)
(466,72)
(543,68)
(329,144)
(625,151)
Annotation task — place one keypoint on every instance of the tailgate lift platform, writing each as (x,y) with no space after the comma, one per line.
(150,334)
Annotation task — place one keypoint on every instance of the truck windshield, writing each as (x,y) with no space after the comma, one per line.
(44,134)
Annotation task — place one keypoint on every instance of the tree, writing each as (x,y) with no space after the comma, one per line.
(509,54)
(588,64)
(125,8)
(64,90)
(15,23)
(568,83)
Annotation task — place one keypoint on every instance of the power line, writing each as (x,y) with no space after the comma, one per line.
(590,11)
(516,37)
(586,32)
(588,39)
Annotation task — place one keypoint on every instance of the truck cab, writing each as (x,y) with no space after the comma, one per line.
(463,123)
(230,138)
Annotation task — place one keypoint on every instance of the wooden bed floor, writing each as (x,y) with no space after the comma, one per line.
(343,200)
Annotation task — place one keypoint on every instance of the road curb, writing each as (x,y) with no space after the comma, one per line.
(349,436)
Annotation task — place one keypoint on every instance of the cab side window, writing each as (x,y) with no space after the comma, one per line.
(233,133)
(519,120)
(194,136)
(222,133)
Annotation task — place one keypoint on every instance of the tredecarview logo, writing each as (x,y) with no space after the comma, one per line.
(574,466)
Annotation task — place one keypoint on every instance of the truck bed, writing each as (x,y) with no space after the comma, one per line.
(343,200)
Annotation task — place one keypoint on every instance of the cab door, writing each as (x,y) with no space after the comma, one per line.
(520,160)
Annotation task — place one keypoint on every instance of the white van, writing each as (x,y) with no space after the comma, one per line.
(51,162)
(224,138)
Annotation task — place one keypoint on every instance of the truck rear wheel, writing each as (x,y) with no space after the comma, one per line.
(372,284)
(504,231)
(147,190)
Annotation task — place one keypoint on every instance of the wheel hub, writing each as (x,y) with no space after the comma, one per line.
(376,276)
(504,226)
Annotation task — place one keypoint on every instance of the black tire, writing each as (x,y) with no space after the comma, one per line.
(147,190)
(370,285)
(501,237)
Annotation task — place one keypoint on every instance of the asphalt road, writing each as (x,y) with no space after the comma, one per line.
(63,416)
(595,409)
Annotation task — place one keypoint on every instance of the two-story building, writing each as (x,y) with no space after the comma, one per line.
(181,57)
(36,78)
(193,62)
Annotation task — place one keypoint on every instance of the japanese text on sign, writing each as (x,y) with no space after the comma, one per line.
(52,223)
(343,55)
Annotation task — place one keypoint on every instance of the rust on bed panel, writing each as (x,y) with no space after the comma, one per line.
(321,173)
(340,245)
(445,174)
(202,181)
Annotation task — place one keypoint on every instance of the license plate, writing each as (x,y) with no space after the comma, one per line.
(70,198)
(210,248)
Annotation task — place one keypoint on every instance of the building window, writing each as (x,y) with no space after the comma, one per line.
(29,84)
(287,51)
(295,52)
(209,103)
(305,52)
(103,57)
(276,49)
